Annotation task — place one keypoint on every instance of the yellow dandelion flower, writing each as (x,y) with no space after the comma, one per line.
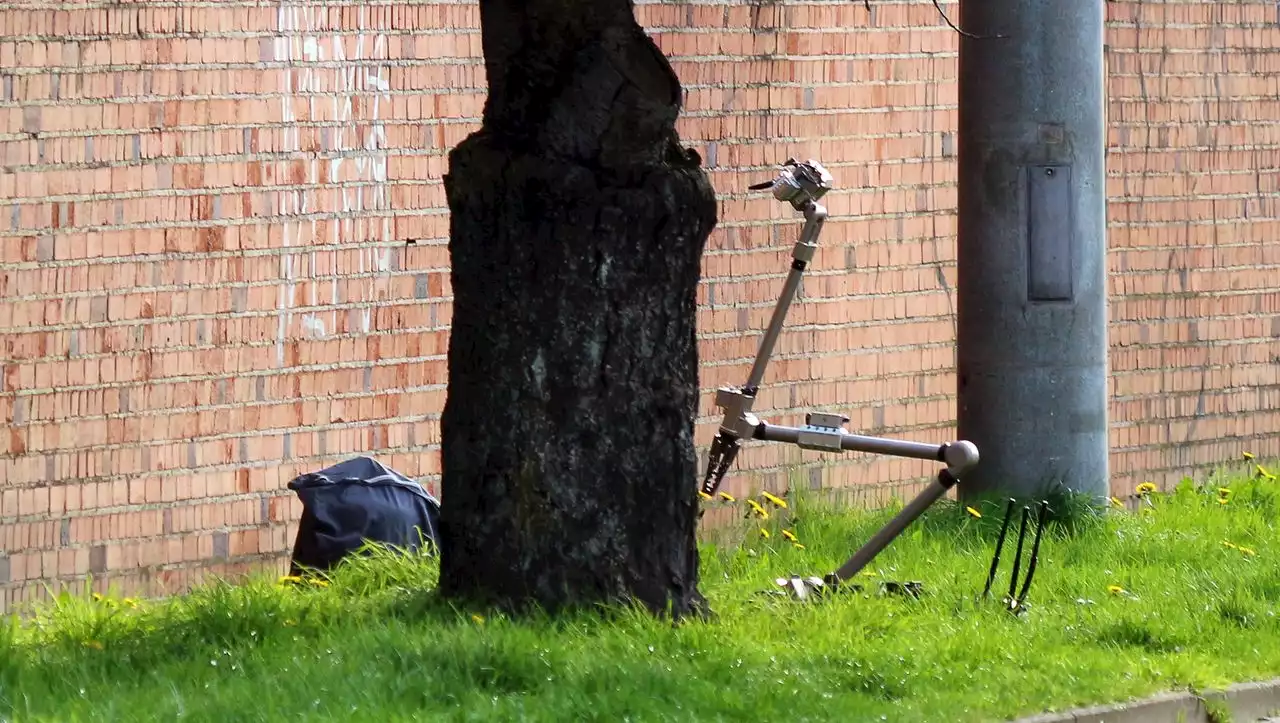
(93,644)
(760,511)
(1115,589)
(789,535)
(97,597)
(1222,500)
(318,582)
(704,495)
(1247,455)
(477,619)
(288,579)
(1247,551)
(764,533)
(868,573)
(1146,488)
(727,497)
(775,500)
(797,545)
(1263,472)
(130,602)
(1116,502)
(973,513)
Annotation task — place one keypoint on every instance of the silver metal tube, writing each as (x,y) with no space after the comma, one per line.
(894,447)
(775,433)
(775,329)
(815,215)
(859,443)
(890,532)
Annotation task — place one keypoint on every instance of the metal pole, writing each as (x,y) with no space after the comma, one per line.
(815,215)
(801,185)
(887,534)
(1032,332)
(857,443)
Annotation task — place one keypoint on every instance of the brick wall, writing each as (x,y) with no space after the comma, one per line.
(223,262)
(1194,171)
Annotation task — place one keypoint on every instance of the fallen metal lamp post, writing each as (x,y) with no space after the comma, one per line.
(803,184)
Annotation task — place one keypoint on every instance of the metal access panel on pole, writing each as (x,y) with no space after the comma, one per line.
(1032,293)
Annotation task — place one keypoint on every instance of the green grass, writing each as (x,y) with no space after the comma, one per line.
(375,644)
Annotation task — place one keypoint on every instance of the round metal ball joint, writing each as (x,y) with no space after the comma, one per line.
(961,456)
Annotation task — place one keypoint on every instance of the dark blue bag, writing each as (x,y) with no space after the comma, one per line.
(358,501)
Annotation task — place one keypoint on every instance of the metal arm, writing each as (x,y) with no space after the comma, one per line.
(887,534)
(802,185)
(815,215)
(822,432)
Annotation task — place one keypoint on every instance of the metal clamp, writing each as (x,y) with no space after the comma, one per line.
(823,432)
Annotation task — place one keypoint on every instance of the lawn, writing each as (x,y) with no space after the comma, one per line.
(1173,591)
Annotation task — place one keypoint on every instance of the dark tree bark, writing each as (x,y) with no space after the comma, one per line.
(577,229)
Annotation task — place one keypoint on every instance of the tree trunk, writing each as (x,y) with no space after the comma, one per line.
(576,235)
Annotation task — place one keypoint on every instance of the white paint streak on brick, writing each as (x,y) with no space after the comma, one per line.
(357,135)
(289,202)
